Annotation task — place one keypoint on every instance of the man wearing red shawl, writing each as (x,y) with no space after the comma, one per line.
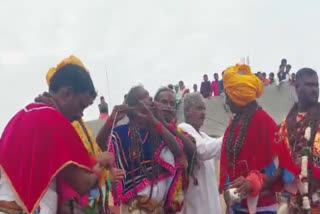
(301,132)
(39,145)
(250,162)
(97,199)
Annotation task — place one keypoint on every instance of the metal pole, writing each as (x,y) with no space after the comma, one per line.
(108,89)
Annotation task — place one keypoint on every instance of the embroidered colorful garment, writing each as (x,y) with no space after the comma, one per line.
(260,151)
(294,189)
(141,164)
(45,143)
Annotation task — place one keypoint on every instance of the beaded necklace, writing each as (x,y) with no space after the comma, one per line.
(136,153)
(301,145)
(234,146)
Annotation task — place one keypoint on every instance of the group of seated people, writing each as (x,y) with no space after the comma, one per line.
(51,163)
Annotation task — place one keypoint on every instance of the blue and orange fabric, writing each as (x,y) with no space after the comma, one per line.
(120,146)
(126,189)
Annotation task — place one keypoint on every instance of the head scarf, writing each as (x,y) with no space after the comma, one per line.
(241,85)
(70,60)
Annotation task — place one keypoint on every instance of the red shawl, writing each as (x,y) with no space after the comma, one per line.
(260,146)
(35,146)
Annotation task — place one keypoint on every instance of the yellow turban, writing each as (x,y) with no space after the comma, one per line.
(70,60)
(241,85)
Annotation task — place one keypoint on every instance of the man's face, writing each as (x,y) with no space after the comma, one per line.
(259,75)
(284,62)
(196,114)
(143,96)
(288,68)
(282,68)
(233,107)
(271,76)
(205,78)
(195,87)
(307,89)
(181,85)
(72,105)
(167,101)
(216,77)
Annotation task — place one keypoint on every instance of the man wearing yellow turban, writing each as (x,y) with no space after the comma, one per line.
(241,85)
(248,151)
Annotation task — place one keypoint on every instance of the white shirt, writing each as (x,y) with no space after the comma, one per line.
(204,197)
(48,203)
(287,79)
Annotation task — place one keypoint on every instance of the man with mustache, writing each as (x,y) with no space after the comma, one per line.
(202,196)
(300,132)
(251,162)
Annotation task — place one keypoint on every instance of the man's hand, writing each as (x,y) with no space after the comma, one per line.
(243,186)
(46,98)
(116,174)
(119,112)
(105,159)
(97,168)
(158,112)
(145,114)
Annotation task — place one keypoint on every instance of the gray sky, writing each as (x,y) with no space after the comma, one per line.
(148,41)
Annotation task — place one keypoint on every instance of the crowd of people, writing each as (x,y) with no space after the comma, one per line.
(51,163)
(214,88)
(283,75)
(207,88)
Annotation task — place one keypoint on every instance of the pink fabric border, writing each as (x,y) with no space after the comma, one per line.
(172,189)
(117,194)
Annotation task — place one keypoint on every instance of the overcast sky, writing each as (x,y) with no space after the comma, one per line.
(154,42)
